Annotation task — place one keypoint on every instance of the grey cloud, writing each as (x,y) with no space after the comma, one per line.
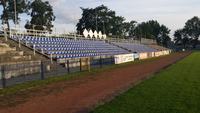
(173,13)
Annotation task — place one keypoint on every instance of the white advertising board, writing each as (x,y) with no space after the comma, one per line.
(152,54)
(158,53)
(119,59)
(143,56)
(166,52)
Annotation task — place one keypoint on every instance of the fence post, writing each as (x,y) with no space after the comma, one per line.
(80,64)
(5,33)
(9,33)
(101,63)
(42,70)
(112,60)
(51,58)
(88,63)
(3,76)
(68,69)
(34,50)
(19,42)
(26,43)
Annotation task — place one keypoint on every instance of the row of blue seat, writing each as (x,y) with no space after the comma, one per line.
(45,39)
(63,43)
(48,39)
(136,47)
(61,56)
(77,52)
(66,48)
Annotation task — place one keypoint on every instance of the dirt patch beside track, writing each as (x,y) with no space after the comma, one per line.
(81,95)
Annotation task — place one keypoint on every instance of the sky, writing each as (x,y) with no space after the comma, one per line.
(172,13)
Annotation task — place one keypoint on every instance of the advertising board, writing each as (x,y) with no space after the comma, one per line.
(119,59)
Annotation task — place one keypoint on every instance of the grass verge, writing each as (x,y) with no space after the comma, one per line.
(173,90)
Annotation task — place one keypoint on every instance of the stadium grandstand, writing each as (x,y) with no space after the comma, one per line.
(70,56)
(64,53)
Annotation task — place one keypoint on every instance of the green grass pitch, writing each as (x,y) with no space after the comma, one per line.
(173,90)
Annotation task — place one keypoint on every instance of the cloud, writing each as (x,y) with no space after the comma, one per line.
(172,13)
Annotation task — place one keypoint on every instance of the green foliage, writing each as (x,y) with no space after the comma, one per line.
(153,30)
(42,16)
(174,90)
(189,34)
(41,13)
(103,19)
(128,29)
(192,27)
(180,37)
(21,7)
(8,12)
(163,37)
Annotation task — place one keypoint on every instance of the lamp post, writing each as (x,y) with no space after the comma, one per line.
(15,10)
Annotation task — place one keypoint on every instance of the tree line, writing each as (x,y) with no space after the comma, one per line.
(103,19)
(100,18)
(190,34)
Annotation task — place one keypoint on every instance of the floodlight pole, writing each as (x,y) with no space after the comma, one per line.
(15,8)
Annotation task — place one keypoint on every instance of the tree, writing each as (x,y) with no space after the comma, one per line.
(4,15)
(117,26)
(8,12)
(192,28)
(132,26)
(153,30)
(180,37)
(101,19)
(189,34)
(129,28)
(42,16)
(163,36)
(125,29)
